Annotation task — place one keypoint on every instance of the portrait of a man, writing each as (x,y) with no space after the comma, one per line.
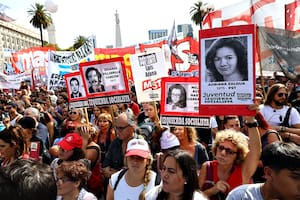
(93,77)
(74,85)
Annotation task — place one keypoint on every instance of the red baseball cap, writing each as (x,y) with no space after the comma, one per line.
(70,141)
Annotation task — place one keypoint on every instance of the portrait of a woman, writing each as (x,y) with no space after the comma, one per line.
(176,100)
(226,60)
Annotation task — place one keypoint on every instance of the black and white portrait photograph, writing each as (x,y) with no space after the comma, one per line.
(226,59)
(94,80)
(176,98)
(74,86)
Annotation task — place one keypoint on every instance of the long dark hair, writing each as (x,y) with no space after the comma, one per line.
(189,170)
(240,51)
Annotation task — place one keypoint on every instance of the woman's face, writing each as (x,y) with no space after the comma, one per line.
(96,111)
(64,185)
(150,111)
(226,61)
(179,132)
(175,95)
(103,123)
(74,115)
(137,163)
(172,176)
(64,154)
(226,153)
(6,150)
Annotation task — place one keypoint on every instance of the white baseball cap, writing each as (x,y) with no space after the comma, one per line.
(138,147)
(168,140)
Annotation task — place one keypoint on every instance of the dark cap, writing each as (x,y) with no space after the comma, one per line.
(27,122)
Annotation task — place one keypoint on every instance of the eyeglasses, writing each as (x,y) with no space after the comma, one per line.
(102,121)
(74,113)
(227,150)
(8,107)
(176,95)
(281,94)
(119,128)
(63,179)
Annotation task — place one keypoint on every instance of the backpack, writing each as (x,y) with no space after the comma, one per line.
(121,174)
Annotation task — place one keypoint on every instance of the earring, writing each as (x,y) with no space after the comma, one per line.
(185,183)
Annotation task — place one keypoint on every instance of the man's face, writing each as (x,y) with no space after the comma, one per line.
(280,97)
(74,86)
(285,183)
(233,124)
(93,78)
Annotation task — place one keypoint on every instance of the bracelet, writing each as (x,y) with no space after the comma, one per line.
(251,124)
(282,129)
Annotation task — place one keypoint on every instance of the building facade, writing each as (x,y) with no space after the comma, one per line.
(155,34)
(13,38)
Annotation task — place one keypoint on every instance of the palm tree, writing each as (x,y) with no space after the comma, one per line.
(41,18)
(79,41)
(198,11)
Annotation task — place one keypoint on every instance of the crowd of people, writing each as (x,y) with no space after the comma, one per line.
(49,151)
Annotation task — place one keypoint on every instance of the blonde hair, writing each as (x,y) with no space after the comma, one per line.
(191,134)
(237,138)
(147,177)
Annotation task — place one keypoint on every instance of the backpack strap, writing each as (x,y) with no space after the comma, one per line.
(157,179)
(121,174)
(286,117)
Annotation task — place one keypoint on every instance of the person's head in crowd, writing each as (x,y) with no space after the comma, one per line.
(104,122)
(11,107)
(281,163)
(177,96)
(62,98)
(232,122)
(227,60)
(77,114)
(71,177)
(70,147)
(12,144)
(28,125)
(139,160)
(277,95)
(27,180)
(179,176)
(38,104)
(185,133)
(65,112)
(234,143)
(125,126)
(96,111)
(32,112)
(168,141)
(21,106)
(152,110)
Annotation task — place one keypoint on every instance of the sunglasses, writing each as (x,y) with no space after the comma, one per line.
(8,107)
(227,150)
(119,128)
(74,113)
(281,94)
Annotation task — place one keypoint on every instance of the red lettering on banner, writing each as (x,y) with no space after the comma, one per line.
(153,85)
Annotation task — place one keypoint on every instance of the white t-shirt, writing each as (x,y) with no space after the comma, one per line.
(83,195)
(124,191)
(246,192)
(276,116)
(152,194)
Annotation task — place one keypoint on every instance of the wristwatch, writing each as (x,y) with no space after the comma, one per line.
(251,124)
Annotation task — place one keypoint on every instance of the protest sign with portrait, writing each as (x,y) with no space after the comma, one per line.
(227,78)
(76,92)
(105,81)
(180,102)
